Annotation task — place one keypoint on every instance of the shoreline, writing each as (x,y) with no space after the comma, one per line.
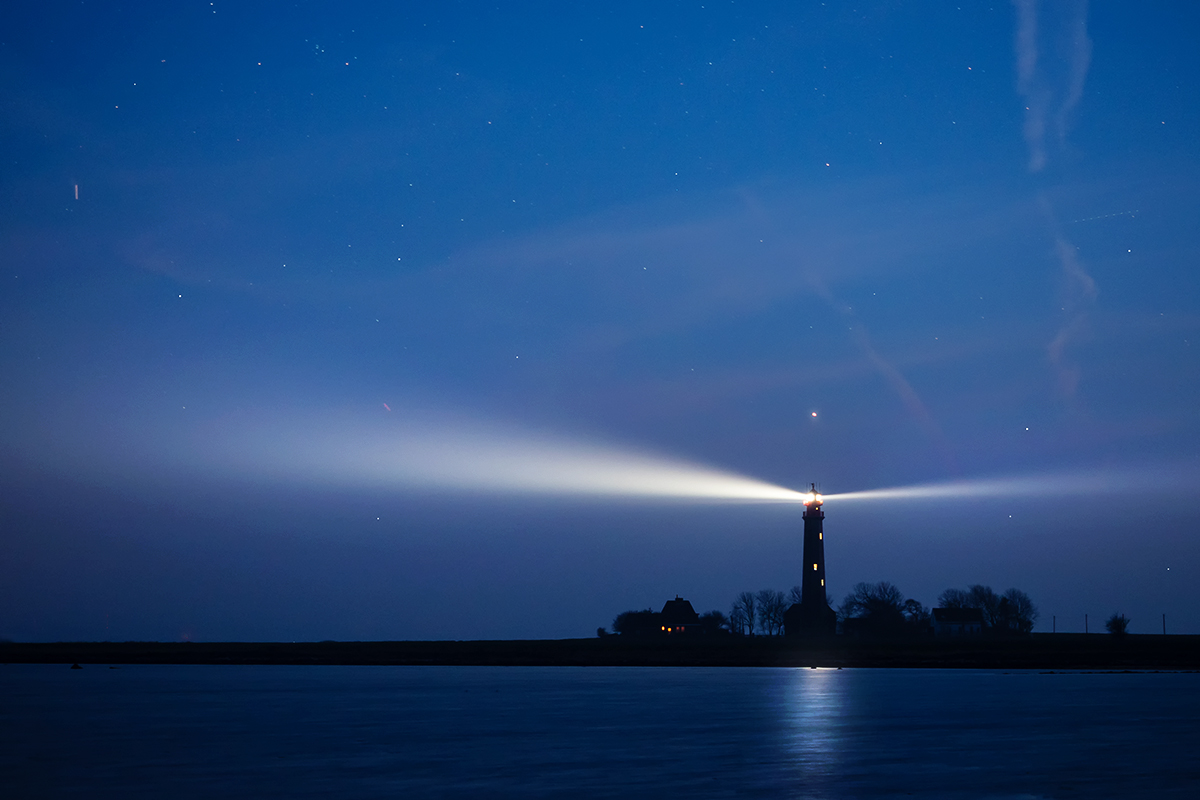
(1037,651)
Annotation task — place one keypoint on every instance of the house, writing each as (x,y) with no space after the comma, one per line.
(957,621)
(678,617)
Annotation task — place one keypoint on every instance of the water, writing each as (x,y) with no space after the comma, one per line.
(478,732)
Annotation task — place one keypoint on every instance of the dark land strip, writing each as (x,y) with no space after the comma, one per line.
(1038,651)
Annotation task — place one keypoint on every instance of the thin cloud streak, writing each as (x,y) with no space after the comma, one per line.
(653,270)
(900,385)
(1079,288)
(1035,96)
(1078,60)
(1045,97)
(1079,294)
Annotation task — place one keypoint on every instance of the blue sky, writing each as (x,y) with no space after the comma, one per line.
(963,236)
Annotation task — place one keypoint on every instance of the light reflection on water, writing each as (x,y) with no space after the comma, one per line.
(813,715)
(468,732)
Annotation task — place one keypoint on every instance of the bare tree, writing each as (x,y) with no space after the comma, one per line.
(737,620)
(916,615)
(954,598)
(796,595)
(771,606)
(878,606)
(1011,612)
(1018,613)
(745,601)
(987,601)
(1117,625)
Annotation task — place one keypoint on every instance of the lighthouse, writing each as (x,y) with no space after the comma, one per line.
(812,615)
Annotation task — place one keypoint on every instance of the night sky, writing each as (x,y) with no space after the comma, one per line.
(319,320)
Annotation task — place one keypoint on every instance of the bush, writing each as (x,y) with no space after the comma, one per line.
(636,623)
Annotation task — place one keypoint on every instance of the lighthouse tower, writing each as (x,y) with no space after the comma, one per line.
(812,615)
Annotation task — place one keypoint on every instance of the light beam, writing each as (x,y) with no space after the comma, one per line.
(1061,484)
(440,454)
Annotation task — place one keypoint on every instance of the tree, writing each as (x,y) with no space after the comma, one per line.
(796,595)
(1012,612)
(715,621)
(987,601)
(771,607)
(878,607)
(746,602)
(636,623)
(916,616)
(954,598)
(1117,625)
(1017,612)
(737,620)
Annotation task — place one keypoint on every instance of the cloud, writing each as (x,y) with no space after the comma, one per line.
(1079,58)
(1047,91)
(1053,86)
(1079,293)
(662,268)
(1028,85)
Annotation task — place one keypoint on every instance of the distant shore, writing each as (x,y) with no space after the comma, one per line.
(1038,651)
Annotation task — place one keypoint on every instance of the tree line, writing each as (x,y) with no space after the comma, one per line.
(869,609)
(646,621)
(1011,612)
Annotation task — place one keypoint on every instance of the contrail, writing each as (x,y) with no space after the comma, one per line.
(907,394)
(1046,91)
(1105,216)
(1078,58)
(1035,95)
(1079,293)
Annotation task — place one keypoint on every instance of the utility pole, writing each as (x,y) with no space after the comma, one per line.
(1085,623)
(1164,624)
(1053,624)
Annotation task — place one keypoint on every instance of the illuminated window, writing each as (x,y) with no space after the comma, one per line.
(821,536)
(814,566)
(822,581)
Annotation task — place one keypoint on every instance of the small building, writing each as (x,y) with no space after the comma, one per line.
(957,622)
(678,617)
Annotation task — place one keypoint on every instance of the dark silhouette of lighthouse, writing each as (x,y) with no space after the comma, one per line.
(812,615)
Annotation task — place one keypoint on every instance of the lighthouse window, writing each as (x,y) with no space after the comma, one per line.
(814,566)
(822,581)
(821,536)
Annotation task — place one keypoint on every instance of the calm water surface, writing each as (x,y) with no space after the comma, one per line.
(350,732)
